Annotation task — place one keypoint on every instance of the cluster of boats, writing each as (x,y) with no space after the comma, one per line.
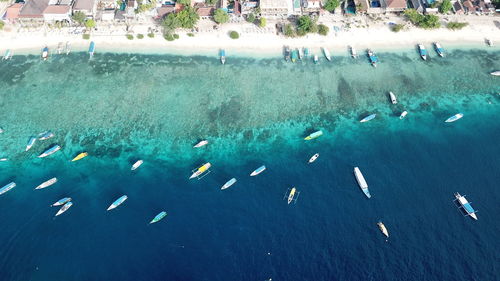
(67,49)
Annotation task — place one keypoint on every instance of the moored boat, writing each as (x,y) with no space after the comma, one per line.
(295,55)
(117,202)
(495,73)
(361,182)
(383,229)
(61,202)
(91,49)
(368,118)
(30,144)
(7,187)
(80,156)
(68,48)
(59,48)
(489,42)
(136,165)
(7,55)
(201,170)
(439,49)
(313,158)
(222,55)
(393,98)
(201,143)
(258,171)
(465,205)
(45,53)
(158,217)
(64,208)
(422,51)
(403,114)
(50,151)
(315,59)
(301,53)
(46,183)
(314,135)
(327,54)
(293,195)
(454,118)
(354,53)
(373,58)
(287,53)
(228,183)
(3,159)
(45,135)
(306,52)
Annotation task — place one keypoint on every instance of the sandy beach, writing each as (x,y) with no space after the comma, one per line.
(360,32)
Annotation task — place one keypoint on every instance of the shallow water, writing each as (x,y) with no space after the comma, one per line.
(124,107)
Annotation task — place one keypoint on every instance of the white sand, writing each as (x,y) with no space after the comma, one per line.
(256,40)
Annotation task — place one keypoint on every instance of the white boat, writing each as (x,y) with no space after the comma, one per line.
(258,171)
(422,51)
(361,182)
(45,135)
(136,164)
(393,98)
(291,195)
(7,55)
(47,183)
(197,173)
(201,143)
(117,202)
(354,54)
(454,118)
(439,49)
(50,151)
(489,42)
(228,183)
(315,59)
(465,205)
(301,53)
(383,229)
(45,53)
(314,157)
(403,114)
(368,118)
(68,48)
(1,130)
(59,48)
(3,159)
(30,144)
(64,208)
(495,73)
(61,202)
(7,187)
(327,54)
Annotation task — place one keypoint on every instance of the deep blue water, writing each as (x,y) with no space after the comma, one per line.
(248,232)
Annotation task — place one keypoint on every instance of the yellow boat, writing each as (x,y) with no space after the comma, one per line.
(198,172)
(314,135)
(80,156)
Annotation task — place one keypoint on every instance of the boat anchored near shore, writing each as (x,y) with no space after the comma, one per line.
(158,217)
(46,183)
(228,184)
(465,205)
(383,229)
(439,49)
(80,156)
(495,73)
(368,118)
(422,51)
(314,135)
(117,202)
(454,118)
(393,98)
(361,182)
(201,171)
(313,158)
(7,187)
(61,202)
(327,54)
(258,171)
(136,165)
(201,143)
(64,208)
(50,151)
(30,144)
(291,195)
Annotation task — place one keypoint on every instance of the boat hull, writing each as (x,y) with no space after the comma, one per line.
(454,118)
(47,183)
(7,187)
(228,184)
(368,118)
(158,217)
(361,182)
(64,208)
(117,202)
(136,165)
(258,171)
(50,151)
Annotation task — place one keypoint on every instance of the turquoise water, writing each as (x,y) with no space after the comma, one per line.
(254,111)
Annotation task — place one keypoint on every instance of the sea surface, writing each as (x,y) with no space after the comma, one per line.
(253,111)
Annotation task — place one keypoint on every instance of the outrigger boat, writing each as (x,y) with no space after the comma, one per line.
(222,55)
(306,52)
(383,229)
(314,157)
(47,183)
(201,143)
(287,53)
(495,73)
(258,171)
(61,202)
(45,53)
(327,54)
(422,51)
(314,135)
(117,202)
(80,156)
(295,55)
(50,151)
(7,187)
(301,53)
(489,42)
(136,165)
(197,173)
(3,159)
(354,54)
(59,48)
(403,114)
(45,135)
(68,48)
(454,118)
(228,183)
(373,58)
(439,49)
(30,144)
(7,55)
(315,59)
(291,195)
(91,49)
(361,182)
(393,98)
(368,118)
(64,208)
(465,205)
(158,217)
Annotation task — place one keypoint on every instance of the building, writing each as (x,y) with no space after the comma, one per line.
(361,6)
(57,13)
(164,10)
(12,12)
(395,6)
(276,8)
(418,5)
(458,8)
(311,6)
(33,10)
(204,11)
(88,7)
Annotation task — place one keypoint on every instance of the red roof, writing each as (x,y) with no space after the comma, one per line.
(205,11)
(57,9)
(13,11)
(396,4)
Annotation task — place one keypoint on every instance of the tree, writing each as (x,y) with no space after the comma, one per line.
(234,35)
(397,27)
(79,17)
(323,29)
(251,18)
(263,22)
(184,2)
(413,16)
(445,7)
(2,24)
(455,25)
(430,22)
(306,24)
(331,5)
(289,30)
(188,17)
(221,16)
(90,23)
(171,23)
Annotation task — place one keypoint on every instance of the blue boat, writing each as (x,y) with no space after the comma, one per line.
(222,54)
(7,187)
(117,202)
(295,55)
(368,118)
(158,217)
(50,151)
(373,58)
(92,49)
(439,49)
(61,202)
(465,205)
(422,51)
(45,53)
(45,135)
(306,52)
(228,183)
(7,55)
(30,144)
(258,171)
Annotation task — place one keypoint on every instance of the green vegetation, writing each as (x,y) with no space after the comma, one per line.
(263,22)
(251,18)
(140,36)
(445,7)
(323,29)
(176,36)
(151,35)
(331,5)
(184,2)
(186,18)
(86,36)
(496,3)
(455,25)
(289,30)
(130,36)
(234,35)
(397,27)
(169,37)
(221,16)
(305,24)
(143,7)
(89,23)
(211,2)
(190,34)
(427,21)
(2,24)
(79,17)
